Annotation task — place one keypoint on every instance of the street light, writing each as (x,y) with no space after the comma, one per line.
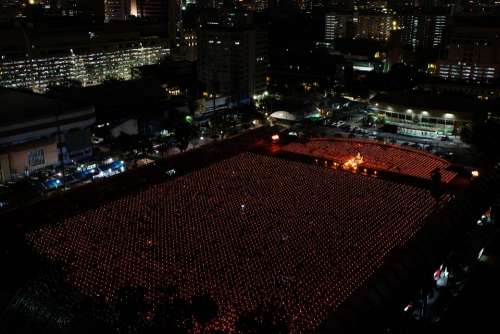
(447,116)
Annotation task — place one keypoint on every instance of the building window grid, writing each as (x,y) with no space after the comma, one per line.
(88,68)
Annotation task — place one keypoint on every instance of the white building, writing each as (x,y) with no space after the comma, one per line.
(422,115)
(90,66)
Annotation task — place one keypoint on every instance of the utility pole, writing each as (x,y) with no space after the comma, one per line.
(60,145)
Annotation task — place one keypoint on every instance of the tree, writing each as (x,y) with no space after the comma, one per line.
(204,309)
(131,306)
(264,319)
(484,135)
(125,142)
(88,316)
(219,123)
(184,133)
(173,316)
(436,187)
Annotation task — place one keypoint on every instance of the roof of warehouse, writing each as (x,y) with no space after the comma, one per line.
(19,106)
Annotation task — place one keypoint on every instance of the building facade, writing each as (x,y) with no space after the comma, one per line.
(422,114)
(116,10)
(420,30)
(11,3)
(338,25)
(233,61)
(473,55)
(415,29)
(38,132)
(358,25)
(372,26)
(151,8)
(90,65)
(418,123)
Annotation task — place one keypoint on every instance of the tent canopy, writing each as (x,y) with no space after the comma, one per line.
(283,115)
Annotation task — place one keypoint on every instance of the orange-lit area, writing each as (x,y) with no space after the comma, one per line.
(475,173)
(431,68)
(133,7)
(173,91)
(242,229)
(353,163)
(351,154)
(307,86)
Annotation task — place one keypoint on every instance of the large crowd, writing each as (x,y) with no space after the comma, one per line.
(244,230)
(376,156)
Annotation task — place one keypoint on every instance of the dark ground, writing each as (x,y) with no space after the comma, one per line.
(477,308)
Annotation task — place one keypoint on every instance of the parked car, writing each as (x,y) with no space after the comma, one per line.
(345,127)
(97,140)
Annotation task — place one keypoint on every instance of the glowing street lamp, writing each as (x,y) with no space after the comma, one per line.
(448,116)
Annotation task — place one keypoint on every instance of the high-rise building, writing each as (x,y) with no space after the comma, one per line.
(341,4)
(10,8)
(473,53)
(89,67)
(358,25)
(167,11)
(116,10)
(398,4)
(189,45)
(51,58)
(90,8)
(11,3)
(338,25)
(422,29)
(261,5)
(372,26)
(152,8)
(233,60)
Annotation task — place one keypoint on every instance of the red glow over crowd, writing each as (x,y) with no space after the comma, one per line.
(244,230)
(376,156)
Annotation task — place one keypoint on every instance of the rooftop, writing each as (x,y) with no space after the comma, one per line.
(432,101)
(18,106)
